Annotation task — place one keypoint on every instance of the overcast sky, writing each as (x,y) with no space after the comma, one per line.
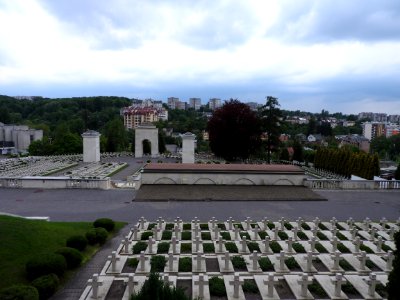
(339,55)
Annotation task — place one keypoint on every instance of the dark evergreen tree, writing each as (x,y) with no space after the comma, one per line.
(394,276)
(397,173)
(298,151)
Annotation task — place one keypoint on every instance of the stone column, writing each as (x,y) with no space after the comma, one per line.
(188,140)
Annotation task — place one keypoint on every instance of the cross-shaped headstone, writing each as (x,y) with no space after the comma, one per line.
(333,222)
(196,221)
(282,222)
(265,222)
(150,244)
(230,223)
(201,282)
(166,280)
(334,243)
(334,230)
(160,222)
(389,260)
(256,230)
(357,243)
(304,281)
(289,243)
(216,232)
(353,232)
(236,285)
(372,233)
(350,222)
(338,280)
(197,243)
(248,221)
(336,258)
(314,231)
(131,284)
(309,258)
(142,221)
(113,258)
(177,232)
(198,258)
(371,281)
(391,233)
(276,230)
(156,230)
(220,242)
(383,222)
(126,243)
(226,258)
(237,231)
(196,230)
(171,259)
(281,257)
(174,243)
(142,260)
(379,244)
(295,231)
(213,221)
(95,284)
(254,259)
(243,243)
(367,222)
(316,222)
(299,222)
(135,231)
(312,243)
(270,284)
(266,244)
(178,222)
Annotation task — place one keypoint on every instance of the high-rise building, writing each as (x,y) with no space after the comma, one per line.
(135,116)
(372,130)
(195,103)
(173,102)
(214,103)
(17,137)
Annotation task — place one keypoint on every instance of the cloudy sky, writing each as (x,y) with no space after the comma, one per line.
(339,55)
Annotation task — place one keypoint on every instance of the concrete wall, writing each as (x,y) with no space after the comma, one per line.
(329,184)
(222,179)
(55,183)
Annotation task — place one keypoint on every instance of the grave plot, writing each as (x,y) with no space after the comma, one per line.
(253,259)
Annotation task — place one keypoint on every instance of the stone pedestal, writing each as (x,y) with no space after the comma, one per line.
(91,146)
(188,140)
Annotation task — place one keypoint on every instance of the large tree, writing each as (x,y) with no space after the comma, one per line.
(271,116)
(234,131)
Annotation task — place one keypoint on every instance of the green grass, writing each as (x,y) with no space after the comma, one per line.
(169,226)
(23,239)
(271,225)
(305,226)
(245,234)
(238,225)
(187,226)
(322,226)
(166,235)
(366,249)
(163,247)
(186,247)
(139,247)
(157,263)
(341,236)
(204,226)
(186,235)
(288,226)
(217,287)
(291,263)
(322,236)
(298,248)
(275,247)
(342,248)
(221,226)
(345,265)
(263,235)
(317,289)
(145,235)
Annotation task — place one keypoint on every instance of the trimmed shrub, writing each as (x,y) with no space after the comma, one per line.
(217,287)
(239,262)
(231,247)
(46,285)
(186,247)
(185,264)
(72,256)
(19,292)
(166,235)
(132,262)
(157,263)
(226,235)
(265,264)
(101,235)
(78,242)
(105,223)
(45,264)
(250,286)
(91,237)
(208,248)
(163,247)
(139,247)
(145,235)
(253,246)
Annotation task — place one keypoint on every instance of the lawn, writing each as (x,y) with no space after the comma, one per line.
(20,239)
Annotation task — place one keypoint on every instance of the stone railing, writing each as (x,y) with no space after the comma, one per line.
(331,184)
(55,183)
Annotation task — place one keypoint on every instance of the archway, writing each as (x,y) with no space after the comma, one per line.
(146,144)
(143,133)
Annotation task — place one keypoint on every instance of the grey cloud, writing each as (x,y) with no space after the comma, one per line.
(325,21)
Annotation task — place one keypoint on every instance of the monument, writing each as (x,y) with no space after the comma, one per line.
(147,132)
(188,140)
(91,146)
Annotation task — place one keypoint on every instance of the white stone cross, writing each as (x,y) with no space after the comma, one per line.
(237,231)
(135,231)
(150,244)
(255,232)
(230,223)
(178,221)
(350,222)
(126,243)
(372,233)
(379,244)
(254,258)
(265,222)
(336,258)
(243,243)
(371,284)
(160,221)
(304,281)
(299,222)
(177,232)
(281,257)
(333,222)
(276,230)
(142,260)
(213,221)
(289,243)
(198,258)
(171,259)
(367,222)
(196,230)
(95,284)
(113,258)
(266,244)
(312,243)
(220,243)
(226,258)
(363,259)
(309,257)
(334,242)
(391,233)
(166,280)
(196,221)
(315,230)
(316,222)
(236,285)
(383,222)
(203,280)
(282,222)
(131,284)
(295,231)
(389,260)
(357,244)
(216,232)
(270,283)
(353,232)
(197,243)
(334,230)
(338,280)
(247,221)
(174,242)
(156,230)
(142,220)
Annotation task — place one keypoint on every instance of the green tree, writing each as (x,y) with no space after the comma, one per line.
(298,151)
(312,126)
(284,155)
(397,173)
(234,131)
(117,138)
(271,117)
(394,276)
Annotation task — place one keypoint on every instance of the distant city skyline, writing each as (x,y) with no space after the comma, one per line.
(341,56)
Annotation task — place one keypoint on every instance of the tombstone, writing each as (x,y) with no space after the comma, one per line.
(383,223)
(334,230)
(336,258)
(142,221)
(312,243)
(95,284)
(198,258)
(226,258)
(197,242)
(367,223)
(295,231)
(265,222)
(357,243)
(270,284)
(178,222)
(266,244)
(171,259)
(113,258)
(353,232)
(146,132)
(142,261)
(150,244)
(188,141)
(91,146)
(135,231)
(289,243)
(160,222)
(255,232)
(372,234)
(299,222)
(304,282)
(177,232)
(196,230)
(230,223)
(237,231)
(166,280)
(379,244)
(201,282)
(281,257)
(236,285)
(334,243)
(391,233)
(309,257)
(363,259)
(126,243)
(314,231)
(131,284)
(316,222)
(248,221)
(333,222)
(350,222)
(389,261)
(174,242)
(216,232)
(196,221)
(254,259)
(282,223)
(338,281)
(371,281)
(213,221)
(156,230)
(243,243)
(276,230)
(220,242)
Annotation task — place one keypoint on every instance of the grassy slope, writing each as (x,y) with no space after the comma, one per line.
(20,239)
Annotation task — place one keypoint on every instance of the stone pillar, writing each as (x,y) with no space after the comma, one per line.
(91,146)
(188,140)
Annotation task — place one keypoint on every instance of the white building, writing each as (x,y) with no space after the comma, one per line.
(18,137)
(195,103)
(214,103)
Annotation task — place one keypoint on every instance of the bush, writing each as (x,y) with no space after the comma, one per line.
(163,247)
(298,248)
(238,262)
(132,262)
(91,237)
(291,263)
(302,236)
(187,226)
(206,236)
(101,235)
(231,247)
(320,248)
(186,235)
(226,235)
(157,263)
(185,264)
(265,264)
(249,286)
(217,287)
(105,223)
(275,247)
(45,264)
(186,248)
(283,235)
(166,235)
(78,242)
(208,248)
(19,292)
(139,247)
(145,235)
(46,285)
(245,234)
(72,256)
(253,246)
